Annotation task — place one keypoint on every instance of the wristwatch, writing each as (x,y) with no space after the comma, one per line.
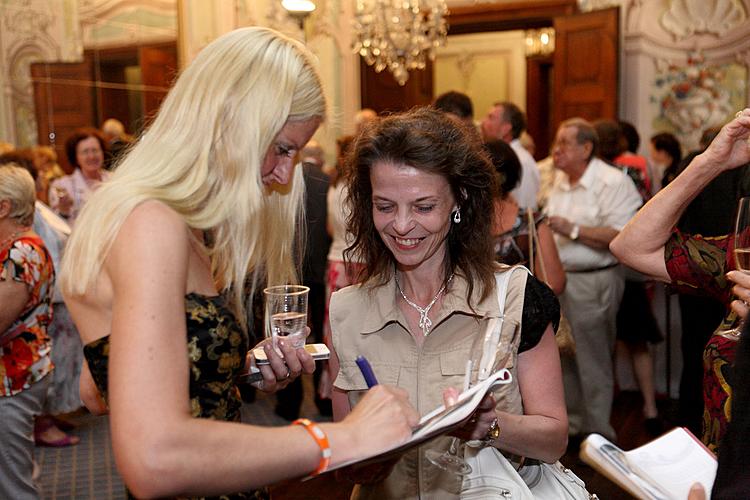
(574,232)
(492,433)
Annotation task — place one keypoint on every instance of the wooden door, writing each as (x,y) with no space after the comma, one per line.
(158,71)
(64,101)
(539,78)
(381,92)
(586,66)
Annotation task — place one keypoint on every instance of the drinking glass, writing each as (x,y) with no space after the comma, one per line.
(286,313)
(741,253)
(480,365)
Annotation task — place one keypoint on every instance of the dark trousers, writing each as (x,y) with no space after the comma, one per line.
(700,317)
(289,400)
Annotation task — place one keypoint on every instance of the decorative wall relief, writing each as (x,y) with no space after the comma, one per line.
(685,18)
(690,98)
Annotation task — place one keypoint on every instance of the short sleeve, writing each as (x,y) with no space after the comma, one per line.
(28,262)
(19,264)
(540,308)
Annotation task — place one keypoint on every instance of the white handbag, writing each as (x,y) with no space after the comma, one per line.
(493,476)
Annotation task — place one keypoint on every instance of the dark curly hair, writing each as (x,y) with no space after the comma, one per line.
(428,140)
(79,135)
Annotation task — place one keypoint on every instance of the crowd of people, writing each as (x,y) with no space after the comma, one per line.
(132,283)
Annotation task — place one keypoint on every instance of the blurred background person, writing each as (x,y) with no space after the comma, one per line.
(340,272)
(363,117)
(666,154)
(67,353)
(588,204)
(458,105)
(636,323)
(511,227)
(48,170)
(85,151)
(27,279)
(630,142)
(506,121)
(315,259)
(117,141)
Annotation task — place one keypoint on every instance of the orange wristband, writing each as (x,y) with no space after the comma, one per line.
(320,439)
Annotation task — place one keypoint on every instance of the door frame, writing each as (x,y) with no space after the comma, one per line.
(521,15)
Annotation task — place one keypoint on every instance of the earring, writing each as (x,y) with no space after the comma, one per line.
(457,216)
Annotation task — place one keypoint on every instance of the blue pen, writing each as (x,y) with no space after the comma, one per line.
(366,369)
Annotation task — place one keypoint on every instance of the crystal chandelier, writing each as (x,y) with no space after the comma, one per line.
(399,34)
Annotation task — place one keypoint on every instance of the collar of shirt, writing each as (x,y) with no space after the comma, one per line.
(586,180)
(384,308)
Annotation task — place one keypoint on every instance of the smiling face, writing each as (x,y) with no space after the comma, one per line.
(411,210)
(90,157)
(278,163)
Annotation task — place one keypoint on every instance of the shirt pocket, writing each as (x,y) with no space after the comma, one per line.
(453,368)
(351,380)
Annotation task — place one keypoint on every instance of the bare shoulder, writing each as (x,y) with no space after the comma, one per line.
(154,215)
(153,238)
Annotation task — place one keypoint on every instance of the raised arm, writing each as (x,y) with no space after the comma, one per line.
(160,449)
(640,244)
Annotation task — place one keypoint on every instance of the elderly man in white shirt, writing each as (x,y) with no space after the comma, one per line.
(505,121)
(588,205)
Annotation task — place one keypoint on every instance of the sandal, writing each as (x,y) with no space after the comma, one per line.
(42,425)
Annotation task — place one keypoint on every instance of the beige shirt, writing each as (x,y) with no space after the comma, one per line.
(367,321)
(604,196)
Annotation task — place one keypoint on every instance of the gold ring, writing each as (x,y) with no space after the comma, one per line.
(288,374)
(738,114)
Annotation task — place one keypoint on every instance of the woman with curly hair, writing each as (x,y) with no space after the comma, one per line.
(421,194)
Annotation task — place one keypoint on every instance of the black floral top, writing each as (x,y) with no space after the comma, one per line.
(216,347)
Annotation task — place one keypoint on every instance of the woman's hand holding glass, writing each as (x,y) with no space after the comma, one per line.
(741,290)
(284,366)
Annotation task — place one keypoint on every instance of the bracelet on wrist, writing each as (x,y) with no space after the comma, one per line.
(321,439)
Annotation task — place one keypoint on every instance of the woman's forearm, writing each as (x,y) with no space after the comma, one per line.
(640,244)
(220,457)
(532,436)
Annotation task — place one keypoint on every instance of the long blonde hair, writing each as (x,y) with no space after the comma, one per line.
(202,157)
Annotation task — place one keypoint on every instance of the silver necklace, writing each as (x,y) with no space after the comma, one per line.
(425,323)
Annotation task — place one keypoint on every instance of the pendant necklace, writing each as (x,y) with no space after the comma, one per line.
(425,323)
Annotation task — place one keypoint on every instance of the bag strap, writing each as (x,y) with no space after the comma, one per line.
(534,246)
(502,280)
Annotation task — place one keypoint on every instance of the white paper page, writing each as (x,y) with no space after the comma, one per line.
(675,461)
(440,419)
(467,402)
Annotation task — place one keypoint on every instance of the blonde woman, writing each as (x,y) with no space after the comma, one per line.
(154,276)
